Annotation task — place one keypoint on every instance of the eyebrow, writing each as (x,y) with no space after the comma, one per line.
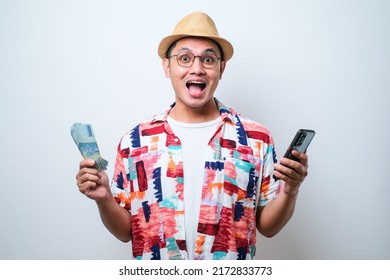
(208,50)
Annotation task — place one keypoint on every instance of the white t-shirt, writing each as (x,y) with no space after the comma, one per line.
(194,138)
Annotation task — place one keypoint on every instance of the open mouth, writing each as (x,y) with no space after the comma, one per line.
(196,86)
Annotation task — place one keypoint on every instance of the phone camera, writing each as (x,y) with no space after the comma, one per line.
(301,139)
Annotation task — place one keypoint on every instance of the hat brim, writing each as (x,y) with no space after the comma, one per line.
(167,42)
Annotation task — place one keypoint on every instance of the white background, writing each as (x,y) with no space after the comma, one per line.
(298,64)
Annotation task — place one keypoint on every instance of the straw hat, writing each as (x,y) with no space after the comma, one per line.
(196,24)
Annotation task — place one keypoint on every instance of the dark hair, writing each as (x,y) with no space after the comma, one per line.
(169,52)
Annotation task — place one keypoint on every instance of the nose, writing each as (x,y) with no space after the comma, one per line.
(197,67)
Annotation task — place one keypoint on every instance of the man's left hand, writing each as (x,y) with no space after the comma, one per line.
(292,172)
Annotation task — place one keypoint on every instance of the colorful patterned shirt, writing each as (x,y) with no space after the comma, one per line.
(149,182)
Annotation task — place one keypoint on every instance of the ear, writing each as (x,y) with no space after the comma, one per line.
(167,70)
(222,69)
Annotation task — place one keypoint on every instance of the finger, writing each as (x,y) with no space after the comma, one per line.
(87,170)
(87,163)
(278,174)
(85,177)
(303,160)
(282,171)
(293,171)
(284,177)
(301,156)
(87,187)
(289,163)
(300,169)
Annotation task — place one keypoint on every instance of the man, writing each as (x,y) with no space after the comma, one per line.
(196,181)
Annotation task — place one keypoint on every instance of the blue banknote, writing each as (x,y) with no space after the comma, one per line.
(85,140)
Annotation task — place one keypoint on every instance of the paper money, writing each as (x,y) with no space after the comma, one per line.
(85,140)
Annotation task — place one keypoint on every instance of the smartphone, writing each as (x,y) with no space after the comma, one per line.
(300,142)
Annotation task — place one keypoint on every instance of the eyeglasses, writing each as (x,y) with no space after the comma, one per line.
(186,59)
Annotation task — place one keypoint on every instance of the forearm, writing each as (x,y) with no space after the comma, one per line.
(115,218)
(275,215)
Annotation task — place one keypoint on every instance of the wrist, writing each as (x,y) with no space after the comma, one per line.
(104,199)
(290,191)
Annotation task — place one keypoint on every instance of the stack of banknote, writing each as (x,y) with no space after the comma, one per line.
(85,140)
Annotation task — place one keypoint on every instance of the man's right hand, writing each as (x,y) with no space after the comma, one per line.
(92,182)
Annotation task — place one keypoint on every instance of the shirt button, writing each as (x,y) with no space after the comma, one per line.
(176,140)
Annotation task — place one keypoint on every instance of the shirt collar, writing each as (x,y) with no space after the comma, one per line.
(225,113)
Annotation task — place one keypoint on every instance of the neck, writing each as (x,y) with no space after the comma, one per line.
(187,114)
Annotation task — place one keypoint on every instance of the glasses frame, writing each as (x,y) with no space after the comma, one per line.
(193,60)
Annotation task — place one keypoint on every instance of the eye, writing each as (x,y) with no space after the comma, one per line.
(209,59)
(185,58)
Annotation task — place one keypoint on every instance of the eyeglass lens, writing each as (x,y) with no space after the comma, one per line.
(207,60)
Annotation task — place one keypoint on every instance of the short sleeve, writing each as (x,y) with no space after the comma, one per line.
(120,185)
(269,187)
